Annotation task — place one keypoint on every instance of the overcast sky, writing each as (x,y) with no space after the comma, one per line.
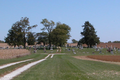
(104,15)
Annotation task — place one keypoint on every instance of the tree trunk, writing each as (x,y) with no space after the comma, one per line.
(90,46)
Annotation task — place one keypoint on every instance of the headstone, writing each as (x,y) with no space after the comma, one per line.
(80,47)
(112,51)
(58,49)
(44,49)
(100,51)
(7,48)
(66,46)
(118,49)
(74,52)
(69,49)
(51,48)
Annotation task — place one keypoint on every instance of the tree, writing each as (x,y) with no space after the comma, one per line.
(30,38)
(116,41)
(89,35)
(74,41)
(60,34)
(14,37)
(109,42)
(48,25)
(43,37)
(17,35)
(24,24)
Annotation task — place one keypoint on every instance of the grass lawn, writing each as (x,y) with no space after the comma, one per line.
(65,67)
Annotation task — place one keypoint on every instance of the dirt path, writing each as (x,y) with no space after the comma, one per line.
(11,75)
(86,58)
(10,64)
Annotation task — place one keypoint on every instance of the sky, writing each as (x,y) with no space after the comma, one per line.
(104,15)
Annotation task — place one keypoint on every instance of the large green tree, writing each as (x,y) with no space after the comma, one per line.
(15,36)
(89,35)
(60,34)
(48,25)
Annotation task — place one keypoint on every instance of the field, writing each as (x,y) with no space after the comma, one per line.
(13,53)
(63,66)
(114,58)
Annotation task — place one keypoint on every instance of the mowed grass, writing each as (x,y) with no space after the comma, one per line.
(65,67)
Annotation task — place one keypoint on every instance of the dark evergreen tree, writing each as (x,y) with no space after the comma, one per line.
(89,35)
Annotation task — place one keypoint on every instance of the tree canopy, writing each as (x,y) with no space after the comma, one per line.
(60,34)
(17,34)
(89,35)
(74,41)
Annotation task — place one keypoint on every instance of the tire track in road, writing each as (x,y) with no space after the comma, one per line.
(22,69)
(10,64)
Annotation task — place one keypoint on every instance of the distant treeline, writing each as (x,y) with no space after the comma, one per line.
(1,41)
(114,42)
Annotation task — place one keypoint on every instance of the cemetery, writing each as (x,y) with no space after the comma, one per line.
(60,40)
(91,63)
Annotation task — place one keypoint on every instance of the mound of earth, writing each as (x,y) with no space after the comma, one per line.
(114,58)
(106,59)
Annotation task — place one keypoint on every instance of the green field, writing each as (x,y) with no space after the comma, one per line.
(64,67)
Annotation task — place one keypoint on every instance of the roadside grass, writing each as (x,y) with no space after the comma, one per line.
(65,67)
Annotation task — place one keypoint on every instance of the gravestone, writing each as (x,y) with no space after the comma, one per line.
(73,51)
(51,48)
(44,49)
(66,46)
(58,49)
(80,47)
